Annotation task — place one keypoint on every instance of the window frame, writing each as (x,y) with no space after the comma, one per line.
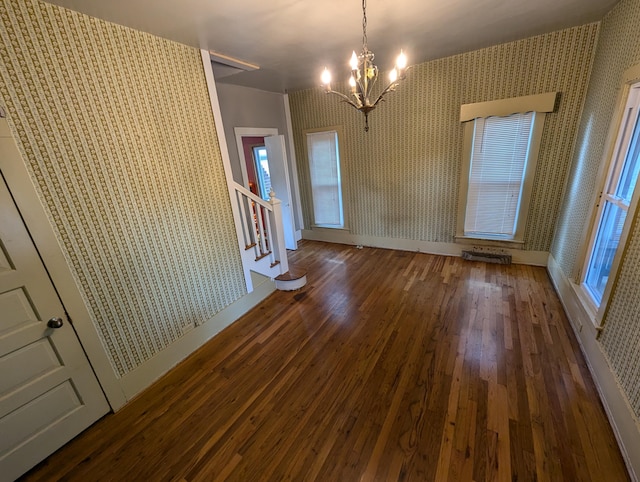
(343,196)
(262,185)
(609,169)
(540,104)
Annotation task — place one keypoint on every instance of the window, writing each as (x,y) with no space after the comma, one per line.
(614,203)
(501,145)
(326,183)
(498,160)
(262,171)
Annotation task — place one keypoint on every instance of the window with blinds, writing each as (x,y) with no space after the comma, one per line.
(324,170)
(499,154)
(500,150)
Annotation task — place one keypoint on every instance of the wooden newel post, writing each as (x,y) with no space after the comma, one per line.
(277,227)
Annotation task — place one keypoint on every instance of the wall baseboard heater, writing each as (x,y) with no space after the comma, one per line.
(486,257)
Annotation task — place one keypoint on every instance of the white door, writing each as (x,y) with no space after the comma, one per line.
(48,391)
(279,172)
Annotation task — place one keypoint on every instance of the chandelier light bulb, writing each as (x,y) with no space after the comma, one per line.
(393,75)
(401,61)
(354,61)
(326,76)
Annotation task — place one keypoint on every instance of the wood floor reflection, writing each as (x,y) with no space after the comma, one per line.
(387,366)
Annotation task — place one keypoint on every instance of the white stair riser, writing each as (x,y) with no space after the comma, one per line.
(291,285)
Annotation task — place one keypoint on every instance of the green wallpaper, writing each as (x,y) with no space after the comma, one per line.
(402,177)
(618,49)
(621,335)
(116,129)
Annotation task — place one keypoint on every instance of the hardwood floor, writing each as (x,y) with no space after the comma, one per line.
(387,366)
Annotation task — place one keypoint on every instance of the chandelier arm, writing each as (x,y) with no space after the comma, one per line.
(392,86)
(360,92)
(374,80)
(343,97)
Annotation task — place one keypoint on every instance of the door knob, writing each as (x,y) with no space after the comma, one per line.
(55,323)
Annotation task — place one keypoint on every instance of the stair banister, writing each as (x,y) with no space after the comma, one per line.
(263,232)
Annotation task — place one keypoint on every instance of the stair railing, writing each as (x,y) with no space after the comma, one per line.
(262,231)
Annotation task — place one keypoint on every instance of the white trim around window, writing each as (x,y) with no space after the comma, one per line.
(473,115)
(331,214)
(624,127)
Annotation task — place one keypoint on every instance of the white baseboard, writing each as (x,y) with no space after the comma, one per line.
(535,258)
(142,377)
(620,414)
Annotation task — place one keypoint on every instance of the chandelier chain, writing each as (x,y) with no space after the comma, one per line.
(364,25)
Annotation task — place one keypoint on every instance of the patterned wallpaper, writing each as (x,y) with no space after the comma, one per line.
(621,335)
(618,49)
(402,177)
(116,128)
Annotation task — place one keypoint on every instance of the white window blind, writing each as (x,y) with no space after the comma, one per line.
(498,161)
(324,167)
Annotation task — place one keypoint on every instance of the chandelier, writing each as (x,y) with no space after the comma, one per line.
(364,75)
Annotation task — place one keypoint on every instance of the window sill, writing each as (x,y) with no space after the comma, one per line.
(587,305)
(497,242)
(332,228)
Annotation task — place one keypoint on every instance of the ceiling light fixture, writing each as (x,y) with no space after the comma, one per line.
(364,75)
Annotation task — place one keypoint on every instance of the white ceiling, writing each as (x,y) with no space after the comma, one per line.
(292,40)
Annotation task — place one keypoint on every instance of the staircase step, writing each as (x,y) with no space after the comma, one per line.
(294,279)
(263,255)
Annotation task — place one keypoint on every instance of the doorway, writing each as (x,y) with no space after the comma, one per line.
(261,167)
(264,165)
(256,165)
(48,391)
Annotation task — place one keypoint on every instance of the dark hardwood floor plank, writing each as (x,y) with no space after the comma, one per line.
(389,366)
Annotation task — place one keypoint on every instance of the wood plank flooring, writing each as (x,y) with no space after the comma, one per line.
(387,366)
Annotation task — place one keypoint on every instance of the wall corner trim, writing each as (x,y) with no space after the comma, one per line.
(224,152)
(293,166)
